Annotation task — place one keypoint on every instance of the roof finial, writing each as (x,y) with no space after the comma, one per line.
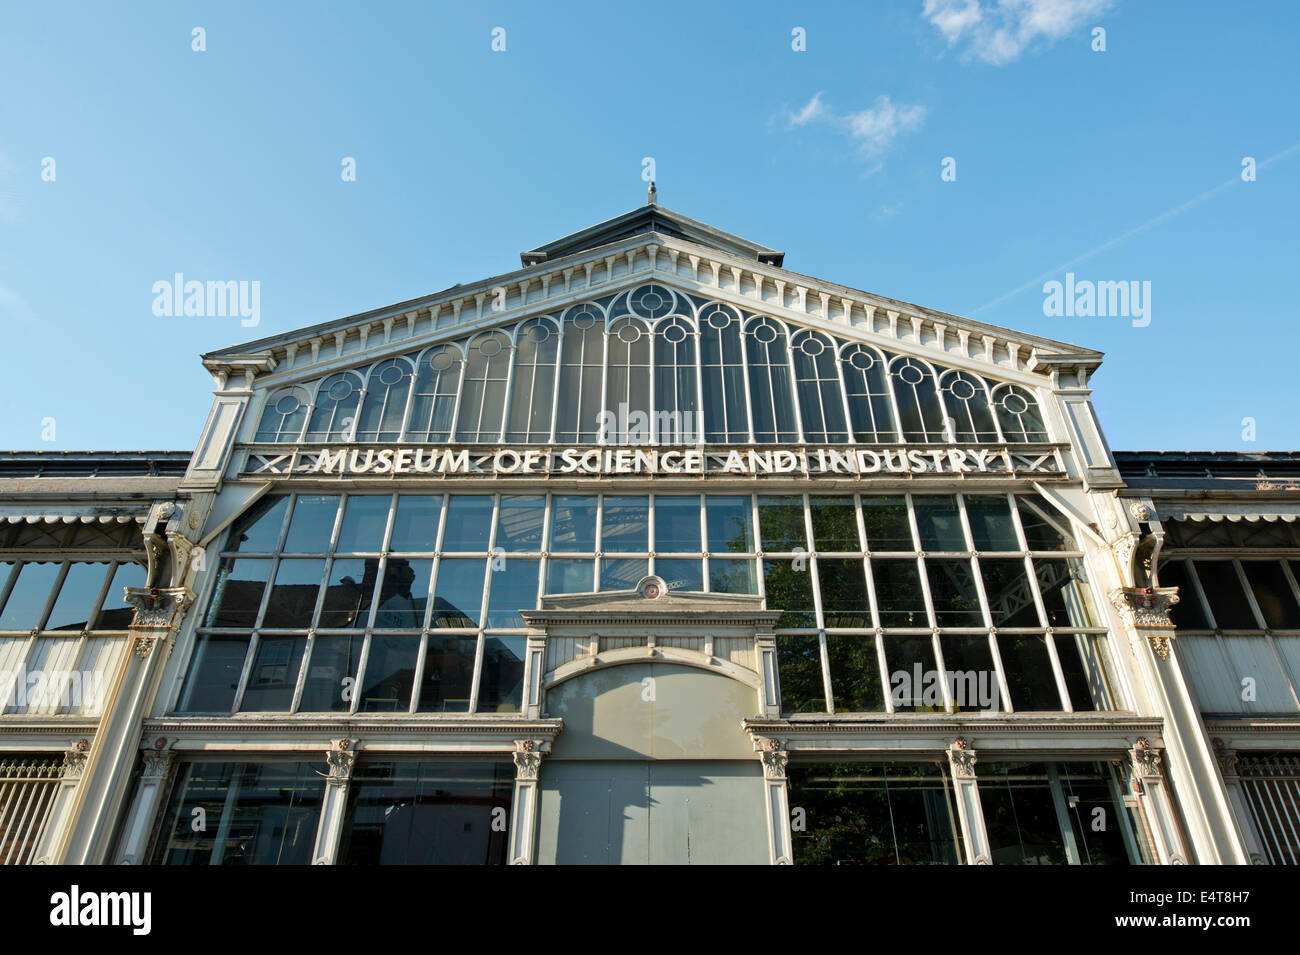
(652,195)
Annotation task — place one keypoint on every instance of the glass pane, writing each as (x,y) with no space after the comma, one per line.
(914,683)
(855,674)
(404,593)
(728,576)
(258,531)
(952,588)
(255,814)
(1223,590)
(77,596)
(991,527)
(570,576)
(972,677)
(520,522)
(312,524)
(274,675)
(1011,600)
(677,524)
(27,598)
(389,673)
(623,574)
(1098,836)
(1187,613)
(347,598)
(799,668)
(469,521)
(458,592)
(887,525)
(1085,664)
(513,588)
(790,589)
(1044,528)
(874,814)
(501,690)
(900,600)
(415,527)
(939,523)
(448,674)
(781,524)
(730,524)
(331,674)
(116,613)
(625,528)
(835,524)
(1020,815)
(214,673)
(434,813)
(681,574)
(238,593)
(293,595)
(365,518)
(1028,670)
(844,592)
(573,524)
(1067,598)
(1272,592)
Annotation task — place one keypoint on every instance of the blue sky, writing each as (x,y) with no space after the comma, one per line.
(225,164)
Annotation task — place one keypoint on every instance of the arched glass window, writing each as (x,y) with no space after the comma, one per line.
(433,406)
(676,401)
(966,399)
(722,367)
(627,382)
(1019,415)
(483,391)
(866,385)
(387,390)
(532,385)
(919,412)
(284,415)
(335,409)
(821,399)
(771,399)
(582,361)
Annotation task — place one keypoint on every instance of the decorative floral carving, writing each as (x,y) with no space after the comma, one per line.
(1141,511)
(528,759)
(774,757)
(340,757)
(74,760)
(1226,758)
(962,758)
(1146,758)
(157,763)
(1146,609)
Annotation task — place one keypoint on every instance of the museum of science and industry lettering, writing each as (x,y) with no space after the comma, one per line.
(650,551)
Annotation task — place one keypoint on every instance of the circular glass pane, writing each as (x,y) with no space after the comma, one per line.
(961,388)
(719,318)
(765,333)
(675,334)
(911,374)
(340,389)
(489,347)
(538,333)
(390,375)
(441,361)
(629,333)
(288,405)
(583,318)
(1015,404)
(812,346)
(862,360)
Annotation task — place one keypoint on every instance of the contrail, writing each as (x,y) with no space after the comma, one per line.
(1125,236)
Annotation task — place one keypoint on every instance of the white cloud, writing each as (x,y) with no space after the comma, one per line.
(873,130)
(999,31)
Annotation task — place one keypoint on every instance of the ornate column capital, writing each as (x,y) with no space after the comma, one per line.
(341,757)
(1226,758)
(962,758)
(528,757)
(74,759)
(1145,759)
(157,759)
(774,756)
(1146,610)
(157,613)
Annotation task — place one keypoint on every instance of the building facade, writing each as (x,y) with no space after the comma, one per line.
(653,551)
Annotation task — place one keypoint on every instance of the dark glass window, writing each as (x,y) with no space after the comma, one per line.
(501,689)
(625,527)
(855,674)
(293,595)
(573,524)
(77,597)
(365,518)
(939,523)
(899,597)
(888,528)
(513,588)
(238,593)
(835,524)
(681,574)
(991,526)
(241,814)
(469,522)
(347,595)
(1273,593)
(730,524)
(799,665)
(274,674)
(781,524)
(404,593)
(790,590)
(390,673)
(1011,599)
(971,674)
(732,576)
(844,592)
(914,680)
(1067,597)
(448,674)
(1227,600)
(29,595)
(258,531)
(623,574)
(1020,815)
(458,592)
(520,527)
(570,576)
(677,524)
(214,673)
(1029,674)
(404,812)
(415,526)
(116,613)
(1044,529)
(952,588)
(331,678)
(1187,613)
(312,524)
